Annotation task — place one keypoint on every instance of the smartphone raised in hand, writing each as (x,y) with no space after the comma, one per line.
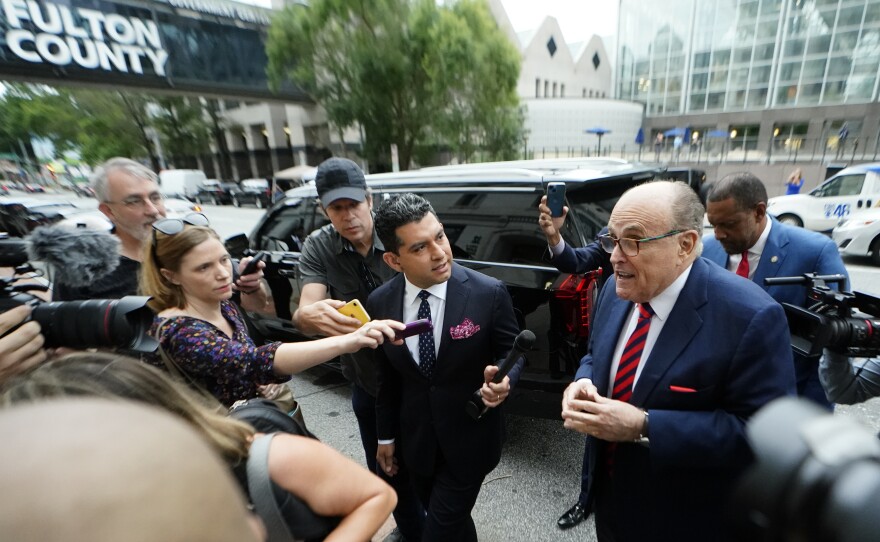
(251,267)
(413,328)
(354,309)
(555,198)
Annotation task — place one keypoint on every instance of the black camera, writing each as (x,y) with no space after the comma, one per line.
(845,322)
(95,323)
(816,478)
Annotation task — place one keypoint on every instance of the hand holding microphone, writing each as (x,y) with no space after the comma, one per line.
(495,394)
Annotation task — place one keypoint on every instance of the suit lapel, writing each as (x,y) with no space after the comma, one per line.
(683,324)
(457,290)
(773,255)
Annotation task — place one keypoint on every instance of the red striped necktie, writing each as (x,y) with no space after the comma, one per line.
(632,353)
(626,370)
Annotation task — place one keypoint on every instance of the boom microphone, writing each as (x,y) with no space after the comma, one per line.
(522,344)
(79,256)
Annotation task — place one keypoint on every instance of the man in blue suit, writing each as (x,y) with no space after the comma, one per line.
(681,355)
(425,384)
(570,260)
(752,244)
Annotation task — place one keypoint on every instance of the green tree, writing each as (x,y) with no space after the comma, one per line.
(409,72)
(184,126)
(99,124)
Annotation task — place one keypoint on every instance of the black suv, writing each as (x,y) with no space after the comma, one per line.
(489,213)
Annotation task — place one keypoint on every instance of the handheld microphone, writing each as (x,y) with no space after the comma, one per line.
(80,256)
(522,344)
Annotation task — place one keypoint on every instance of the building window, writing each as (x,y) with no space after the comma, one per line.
(554,89)
(546,88)
(538,87)
(562,90)
(584,95)
(591,93)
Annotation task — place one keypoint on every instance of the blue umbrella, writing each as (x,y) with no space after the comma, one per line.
(674,132)
(599,131)
(640,137)
(717,133)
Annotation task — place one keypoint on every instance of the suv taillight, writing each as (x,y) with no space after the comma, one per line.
(575,295)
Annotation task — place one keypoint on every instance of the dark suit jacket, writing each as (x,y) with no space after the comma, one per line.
(726,340)
(791,252)
(584,259)
(428,417)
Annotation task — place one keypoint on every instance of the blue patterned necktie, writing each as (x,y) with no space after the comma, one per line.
(427,357)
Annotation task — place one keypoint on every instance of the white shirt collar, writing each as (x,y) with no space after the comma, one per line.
(663,302)
(411,291)
(758,247)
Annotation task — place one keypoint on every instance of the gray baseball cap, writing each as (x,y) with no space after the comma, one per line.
(340,178)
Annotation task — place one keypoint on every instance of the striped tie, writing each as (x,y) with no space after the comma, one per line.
(632,353)
(626,370)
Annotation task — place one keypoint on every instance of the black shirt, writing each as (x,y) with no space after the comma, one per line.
(328,258)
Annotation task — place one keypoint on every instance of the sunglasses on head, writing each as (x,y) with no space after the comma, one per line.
(173,226)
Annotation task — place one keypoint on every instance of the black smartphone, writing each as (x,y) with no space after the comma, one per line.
(555,198)
(413,328)
(251,267)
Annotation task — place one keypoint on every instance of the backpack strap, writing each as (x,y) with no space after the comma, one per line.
(260,488)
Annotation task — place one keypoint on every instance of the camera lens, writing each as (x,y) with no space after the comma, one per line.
(120,323)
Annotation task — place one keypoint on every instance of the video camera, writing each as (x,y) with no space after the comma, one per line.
(280,267)
(844,322)
(95,323)
(816,478)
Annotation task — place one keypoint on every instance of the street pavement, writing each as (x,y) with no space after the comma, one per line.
(538,477)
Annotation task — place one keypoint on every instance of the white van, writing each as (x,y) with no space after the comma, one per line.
(851,190)
(181,182)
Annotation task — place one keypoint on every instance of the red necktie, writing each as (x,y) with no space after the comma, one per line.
(632,353)
(743,268)
(626,369)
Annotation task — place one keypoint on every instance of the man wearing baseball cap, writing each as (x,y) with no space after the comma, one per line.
(340,262)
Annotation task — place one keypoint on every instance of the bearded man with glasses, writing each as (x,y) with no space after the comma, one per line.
(128,195)
(681,354)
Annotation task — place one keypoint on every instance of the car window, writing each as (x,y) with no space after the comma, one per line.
(288,228)
(843,185)
(591,206)
(495,226)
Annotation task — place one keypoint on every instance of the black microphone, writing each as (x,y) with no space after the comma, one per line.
(522,344)
(79,256)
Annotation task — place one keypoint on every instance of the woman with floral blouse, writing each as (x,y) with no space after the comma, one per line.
(188,272)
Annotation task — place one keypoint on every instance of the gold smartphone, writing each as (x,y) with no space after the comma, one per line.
(354,309)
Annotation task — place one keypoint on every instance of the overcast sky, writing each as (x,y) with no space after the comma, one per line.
(578,19)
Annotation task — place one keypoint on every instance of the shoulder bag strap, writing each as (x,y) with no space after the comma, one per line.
(260,488)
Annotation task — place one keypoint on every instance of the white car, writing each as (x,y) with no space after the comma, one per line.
(859,235)
(852,190)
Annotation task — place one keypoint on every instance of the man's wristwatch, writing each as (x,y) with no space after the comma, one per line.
(643,433)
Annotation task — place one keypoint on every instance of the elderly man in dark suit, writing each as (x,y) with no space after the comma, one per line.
(756,246)
(681,355)
(425,384)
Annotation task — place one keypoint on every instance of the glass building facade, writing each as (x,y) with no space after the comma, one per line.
(683,57)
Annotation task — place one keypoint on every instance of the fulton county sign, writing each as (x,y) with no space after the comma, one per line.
(50,33)
(187,45)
